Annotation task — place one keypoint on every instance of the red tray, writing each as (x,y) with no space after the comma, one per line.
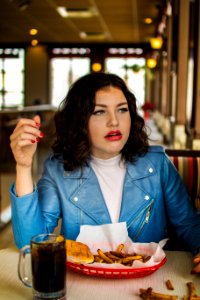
(114,273)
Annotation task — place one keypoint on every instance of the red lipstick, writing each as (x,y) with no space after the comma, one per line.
(114,135)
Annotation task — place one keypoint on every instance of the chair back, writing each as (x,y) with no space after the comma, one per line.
(187,162)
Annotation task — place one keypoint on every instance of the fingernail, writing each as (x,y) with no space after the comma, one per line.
(37,139)
(32,141)
(41,134)
(37,124)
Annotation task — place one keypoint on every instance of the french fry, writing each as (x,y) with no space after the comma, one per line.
(191,292)
(147,294)
(156,295)
(146,258)
(191,298)
(120,248)
(191,289)
(98,259)
(118,256)
(105,257)
(131,258)
(112,256)
(169,285)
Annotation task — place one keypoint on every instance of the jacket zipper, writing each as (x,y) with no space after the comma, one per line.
(141,212)
(146,220)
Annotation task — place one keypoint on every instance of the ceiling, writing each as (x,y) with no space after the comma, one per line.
(115,21)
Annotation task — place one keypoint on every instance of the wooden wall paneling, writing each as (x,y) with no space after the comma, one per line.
(197,111)
(183,37)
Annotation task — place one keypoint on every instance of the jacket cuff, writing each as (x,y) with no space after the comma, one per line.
(13,191)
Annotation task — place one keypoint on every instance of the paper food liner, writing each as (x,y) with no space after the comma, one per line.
(107,237)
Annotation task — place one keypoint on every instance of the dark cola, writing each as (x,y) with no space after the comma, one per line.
(49,268)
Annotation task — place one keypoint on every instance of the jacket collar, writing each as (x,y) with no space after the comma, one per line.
(78,173)
(143,167)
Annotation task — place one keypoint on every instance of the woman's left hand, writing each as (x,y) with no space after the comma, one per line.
(196,261)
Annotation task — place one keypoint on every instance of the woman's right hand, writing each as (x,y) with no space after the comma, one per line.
(24,139)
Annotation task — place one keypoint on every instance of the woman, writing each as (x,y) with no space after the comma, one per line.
(102,170)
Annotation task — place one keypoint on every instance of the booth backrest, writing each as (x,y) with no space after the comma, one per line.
(187,163)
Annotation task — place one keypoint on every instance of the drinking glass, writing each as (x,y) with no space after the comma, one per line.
(48,266)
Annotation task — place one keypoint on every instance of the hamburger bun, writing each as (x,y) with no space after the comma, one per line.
(78,252)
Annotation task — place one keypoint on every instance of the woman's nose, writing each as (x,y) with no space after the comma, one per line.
(113,120)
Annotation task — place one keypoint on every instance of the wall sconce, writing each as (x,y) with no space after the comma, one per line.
(33,31)
(34,43)
(156,42)
(151,63)
(96,67)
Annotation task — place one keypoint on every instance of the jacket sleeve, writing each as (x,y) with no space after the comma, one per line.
(37,212)
(182,215)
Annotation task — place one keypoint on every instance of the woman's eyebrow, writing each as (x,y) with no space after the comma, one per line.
(104,105)
(123,103)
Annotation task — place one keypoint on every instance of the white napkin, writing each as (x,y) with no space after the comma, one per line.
(107,237)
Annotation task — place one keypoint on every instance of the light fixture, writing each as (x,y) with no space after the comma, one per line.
(156,42)
(33,31)
(92,35)
(151,63)
(34,43)
(148,20)
(76,12)
(96,67)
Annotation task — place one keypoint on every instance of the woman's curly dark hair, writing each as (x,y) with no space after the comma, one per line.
(71,121)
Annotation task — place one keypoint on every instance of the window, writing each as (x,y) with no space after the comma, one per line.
(11,77)
(132,70)
(65,70)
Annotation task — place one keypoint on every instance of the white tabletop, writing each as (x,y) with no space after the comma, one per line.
(84,287)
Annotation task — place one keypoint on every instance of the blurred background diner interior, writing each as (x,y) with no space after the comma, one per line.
(46,45)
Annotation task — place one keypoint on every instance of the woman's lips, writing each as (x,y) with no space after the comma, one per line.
(113,135)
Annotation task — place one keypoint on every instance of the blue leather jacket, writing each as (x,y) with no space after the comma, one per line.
(153,193)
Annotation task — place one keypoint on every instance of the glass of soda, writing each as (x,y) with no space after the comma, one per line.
(48,266)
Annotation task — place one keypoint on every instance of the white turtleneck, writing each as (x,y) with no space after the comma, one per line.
(110,174)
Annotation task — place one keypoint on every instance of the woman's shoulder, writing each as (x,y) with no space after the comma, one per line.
(54,164)
(53,160)
(155,149)
(156,153)
(53,157)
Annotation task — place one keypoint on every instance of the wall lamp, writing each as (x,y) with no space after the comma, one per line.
(151,63)
(156,42)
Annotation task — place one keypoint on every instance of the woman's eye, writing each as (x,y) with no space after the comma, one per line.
(98,112)
(123,109)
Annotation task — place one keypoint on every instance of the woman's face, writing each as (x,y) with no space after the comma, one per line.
(109,125)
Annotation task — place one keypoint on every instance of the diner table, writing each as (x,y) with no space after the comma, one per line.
(84,287)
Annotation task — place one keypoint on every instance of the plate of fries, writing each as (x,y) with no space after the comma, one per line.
(107,251)
(113,264)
